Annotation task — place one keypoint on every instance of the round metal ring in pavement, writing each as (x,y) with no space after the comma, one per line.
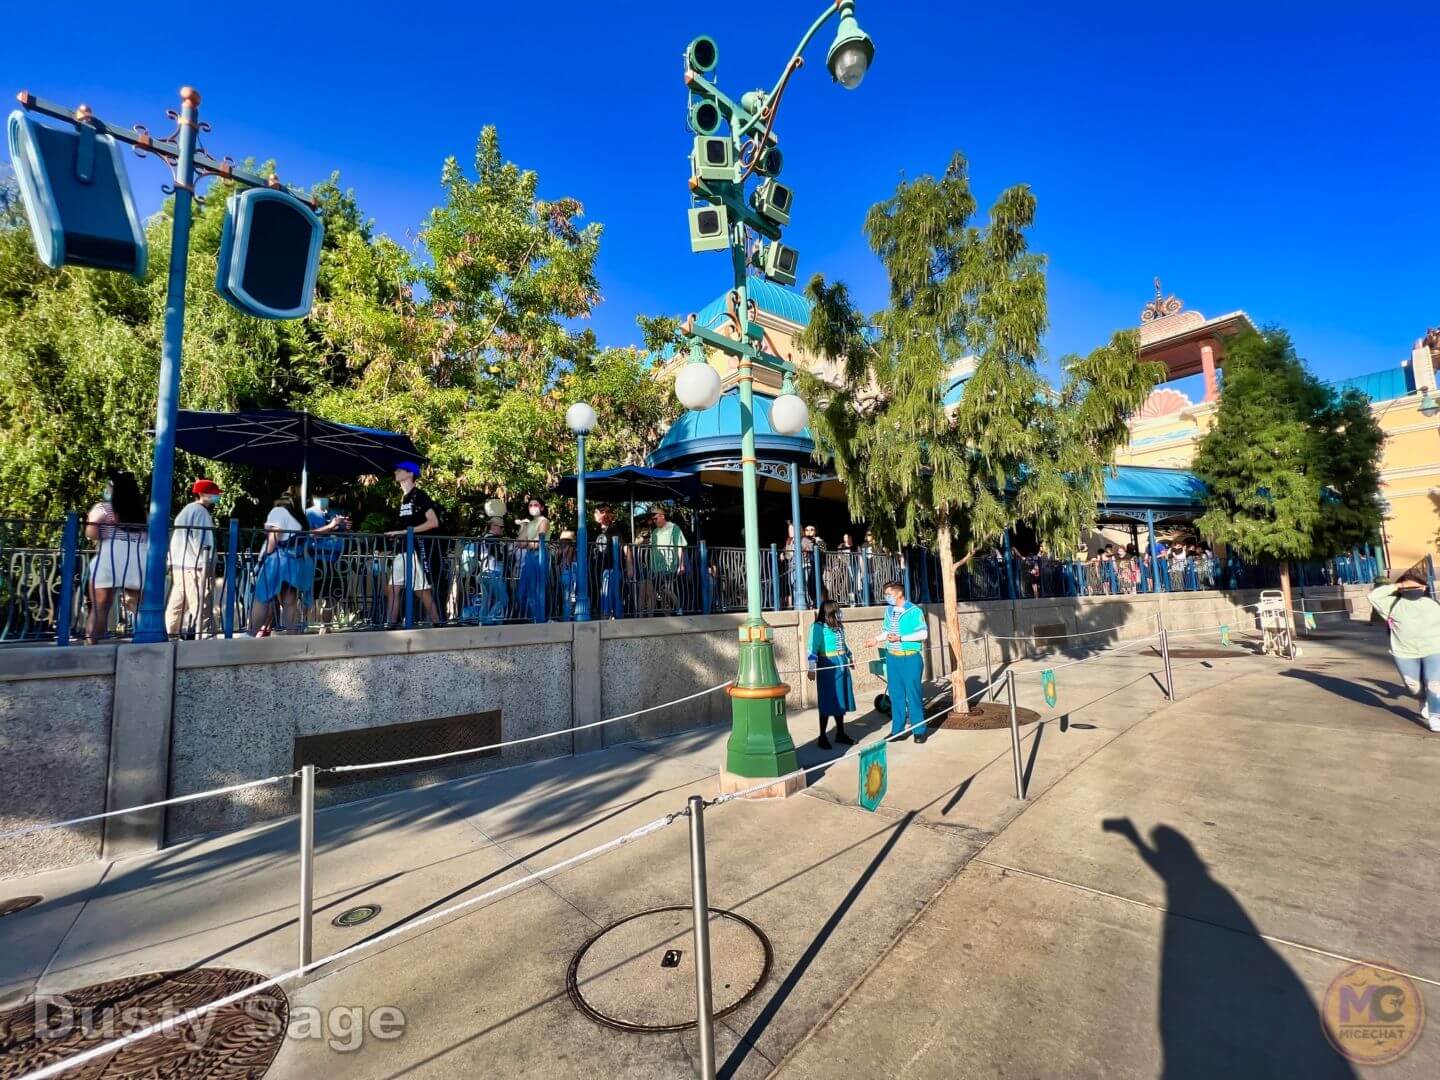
(356,916)
(638,974)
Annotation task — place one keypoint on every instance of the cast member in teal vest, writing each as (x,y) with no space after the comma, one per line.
(830,664)
(902,640)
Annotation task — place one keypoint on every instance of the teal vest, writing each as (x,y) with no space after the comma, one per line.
(909,621)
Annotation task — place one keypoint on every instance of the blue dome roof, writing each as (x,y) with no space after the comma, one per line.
(776,299)
(716,431)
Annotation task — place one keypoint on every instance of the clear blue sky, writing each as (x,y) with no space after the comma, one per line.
(1274,156)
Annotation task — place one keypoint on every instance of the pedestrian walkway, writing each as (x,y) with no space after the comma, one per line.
(1310,805)
(1179,903)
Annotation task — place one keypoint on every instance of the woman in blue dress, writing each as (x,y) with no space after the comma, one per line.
(830,663)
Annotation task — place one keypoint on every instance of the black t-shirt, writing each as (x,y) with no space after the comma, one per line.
(413,508)
(603,548)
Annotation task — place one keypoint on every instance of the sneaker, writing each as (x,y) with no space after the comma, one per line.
(1431,721)
(823,743)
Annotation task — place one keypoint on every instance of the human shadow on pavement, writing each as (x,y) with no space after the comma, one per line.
(1351,690)
(1230,1005)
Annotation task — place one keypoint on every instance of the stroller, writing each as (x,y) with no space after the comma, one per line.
(1275,626)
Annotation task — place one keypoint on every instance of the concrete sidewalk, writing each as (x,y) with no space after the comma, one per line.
(832,886)
(1284,819)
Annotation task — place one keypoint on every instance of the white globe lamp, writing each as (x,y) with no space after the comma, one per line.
(789,415)
(698,387)
(580,418)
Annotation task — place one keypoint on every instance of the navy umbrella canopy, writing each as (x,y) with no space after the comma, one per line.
(296,441)
(635,481)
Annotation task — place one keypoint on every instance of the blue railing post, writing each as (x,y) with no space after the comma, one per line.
(704,578)
(1154,554)
(409,580)
(819,560)
(232,552)
(617,580)
(797,556)
(868,565)
(544,579)
(1005,563)
(907,559)
(775,576)
(69,543)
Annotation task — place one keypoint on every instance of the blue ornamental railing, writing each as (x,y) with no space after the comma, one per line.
(70,581)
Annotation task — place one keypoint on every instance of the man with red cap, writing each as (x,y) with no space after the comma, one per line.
(192,557)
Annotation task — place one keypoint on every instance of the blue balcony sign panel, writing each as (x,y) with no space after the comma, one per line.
(269,254)
(77,196)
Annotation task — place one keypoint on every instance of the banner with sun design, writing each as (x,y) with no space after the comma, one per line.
(1047,683)
(1309,620)
(1224,635)
(874,775)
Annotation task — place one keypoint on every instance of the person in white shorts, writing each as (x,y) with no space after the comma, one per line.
(418,512)
(116,523)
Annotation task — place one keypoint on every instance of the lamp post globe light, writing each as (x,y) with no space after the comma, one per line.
(580,418)
(722,216)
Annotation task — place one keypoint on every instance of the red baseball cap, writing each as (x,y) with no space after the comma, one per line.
(205,487)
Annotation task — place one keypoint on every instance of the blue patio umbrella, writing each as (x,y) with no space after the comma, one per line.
(635,480)
(284,439)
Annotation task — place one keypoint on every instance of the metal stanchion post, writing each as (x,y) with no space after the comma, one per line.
(1169,674)
(700,902)
(307,861)
(989,671)
(1015,739)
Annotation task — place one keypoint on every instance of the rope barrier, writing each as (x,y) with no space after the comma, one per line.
(149,806)
(527,739)
(105,1049)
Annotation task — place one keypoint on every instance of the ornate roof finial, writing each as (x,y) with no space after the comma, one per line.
(1161,306)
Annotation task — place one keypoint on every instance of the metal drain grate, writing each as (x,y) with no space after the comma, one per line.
(638,974)
(18,903)
(235,1041)
(356,915)
(391,742)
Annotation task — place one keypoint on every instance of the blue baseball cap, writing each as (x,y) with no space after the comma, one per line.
(410,467)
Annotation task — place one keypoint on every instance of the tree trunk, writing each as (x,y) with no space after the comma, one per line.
(1285,592)
(951,596)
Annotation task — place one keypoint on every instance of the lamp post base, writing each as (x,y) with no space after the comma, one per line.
(760,745)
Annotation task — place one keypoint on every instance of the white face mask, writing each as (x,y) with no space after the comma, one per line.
(535,511)
(108,493)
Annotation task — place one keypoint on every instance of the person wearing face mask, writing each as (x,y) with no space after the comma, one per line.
(420,513)
(901,640)
(329,591)
(192,558)
(533,573)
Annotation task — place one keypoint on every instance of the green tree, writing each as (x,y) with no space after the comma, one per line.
(1012,449)
(1292,469)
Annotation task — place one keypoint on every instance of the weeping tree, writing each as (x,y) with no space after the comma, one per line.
(1292,469)
(1013,448)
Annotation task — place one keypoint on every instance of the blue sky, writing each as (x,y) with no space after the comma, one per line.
(1273,156)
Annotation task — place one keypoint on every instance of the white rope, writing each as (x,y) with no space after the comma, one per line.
(1101,655)
(56,1068)
(527,739)
(1049,637)
(149,806)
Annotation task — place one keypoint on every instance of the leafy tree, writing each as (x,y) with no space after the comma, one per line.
(1292,469)
(468,344)
(1013,449)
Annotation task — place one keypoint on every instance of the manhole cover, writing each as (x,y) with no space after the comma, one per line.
(356,915)
(235,1041)
(988,714)
(639,973)
(1216,653)
(18,903)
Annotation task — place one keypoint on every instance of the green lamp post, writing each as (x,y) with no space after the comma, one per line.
(722,165)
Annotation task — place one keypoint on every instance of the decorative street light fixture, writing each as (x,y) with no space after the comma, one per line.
(75,189)
(721,220)
(580,418)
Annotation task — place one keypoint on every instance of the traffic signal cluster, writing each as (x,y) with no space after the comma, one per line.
(721,163)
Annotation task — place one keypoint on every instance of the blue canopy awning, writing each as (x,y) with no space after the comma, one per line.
(294,441)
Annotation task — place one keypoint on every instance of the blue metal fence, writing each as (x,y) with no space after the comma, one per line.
(67,581)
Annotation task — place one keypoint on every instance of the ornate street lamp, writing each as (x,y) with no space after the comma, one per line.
(580,418)
(723,215)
